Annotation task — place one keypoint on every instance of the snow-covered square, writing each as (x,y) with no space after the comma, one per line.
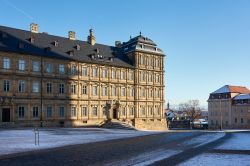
(21,140)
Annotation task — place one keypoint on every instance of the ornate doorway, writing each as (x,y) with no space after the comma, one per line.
(115,113)
(5,115)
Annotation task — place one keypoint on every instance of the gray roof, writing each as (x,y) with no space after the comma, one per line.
(143,44)
(16,40)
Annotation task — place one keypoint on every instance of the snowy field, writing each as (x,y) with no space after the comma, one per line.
(218,160)
(239,141)
(22,140)
(204,139)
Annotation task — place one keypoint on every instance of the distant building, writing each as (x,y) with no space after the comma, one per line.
(229,107)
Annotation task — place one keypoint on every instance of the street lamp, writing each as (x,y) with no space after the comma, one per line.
(220,115)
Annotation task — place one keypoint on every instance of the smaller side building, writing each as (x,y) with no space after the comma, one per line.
(229,107)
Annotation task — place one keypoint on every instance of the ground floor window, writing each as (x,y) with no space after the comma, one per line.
(131,111)
(35,111)
(84,111)
(49,112)
(73,111)
(21,112)
(61,111)
(94,111)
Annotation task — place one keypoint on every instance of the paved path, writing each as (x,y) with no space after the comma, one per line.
(115,152)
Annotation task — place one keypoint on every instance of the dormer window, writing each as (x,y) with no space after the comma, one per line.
(71,53)
(32,39)
(78,47)
(21,45)
(56,43)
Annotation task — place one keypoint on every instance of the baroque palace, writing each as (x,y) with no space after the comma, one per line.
(49,80)
(229,107)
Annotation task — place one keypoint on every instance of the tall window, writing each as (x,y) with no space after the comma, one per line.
(21,112)
(142,60)
(73,70)
(104,73)
(49,87)
(61,88)
(150,77)
(84,111)
(142,76)
(142,92)
(35,111)
(6,85)
(94,109)
(61,111)
(21,86)
(123,111)
(150,92)
(73,111)
(21,64)
(104,111)
(105,91)
(113,91)
(84,89)
(131,111)
(142,111)
(73,88)
(113,74)
(95,74)
(122,75)
(35,66)
(94,90)
(49,112)
(131,75)
(35,87)
(157,109)
(151,110)
(123,91)
(84,71)
(61,69)
(6,63)
(49,68)
(132,91)
(157,93)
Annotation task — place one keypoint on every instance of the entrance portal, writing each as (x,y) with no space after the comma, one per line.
(6,115)
(115,114)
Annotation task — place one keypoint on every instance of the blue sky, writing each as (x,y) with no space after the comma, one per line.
(206,42)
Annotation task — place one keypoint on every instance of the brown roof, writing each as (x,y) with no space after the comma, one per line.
(238,89)
(232,89)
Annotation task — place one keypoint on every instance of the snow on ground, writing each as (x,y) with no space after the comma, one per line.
(218,160)
(21,140)
(238,141)
(204,139)
(146,158)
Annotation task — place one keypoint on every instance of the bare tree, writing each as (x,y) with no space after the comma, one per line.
(191,109)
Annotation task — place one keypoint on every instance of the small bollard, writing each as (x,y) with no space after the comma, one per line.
(36,131)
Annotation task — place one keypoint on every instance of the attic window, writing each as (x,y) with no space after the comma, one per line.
(56,43)
(32,39)
(71,53)
(47,49)
(21,45)
(78,47)
(97,51)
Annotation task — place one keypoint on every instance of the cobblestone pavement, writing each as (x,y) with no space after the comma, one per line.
(121,151)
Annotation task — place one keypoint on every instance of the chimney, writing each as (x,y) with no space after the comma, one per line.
(72,35)
(34,28)
(91,37)
(118,44)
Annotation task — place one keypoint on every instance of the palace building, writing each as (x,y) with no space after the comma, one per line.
(229,107)
(56,81)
